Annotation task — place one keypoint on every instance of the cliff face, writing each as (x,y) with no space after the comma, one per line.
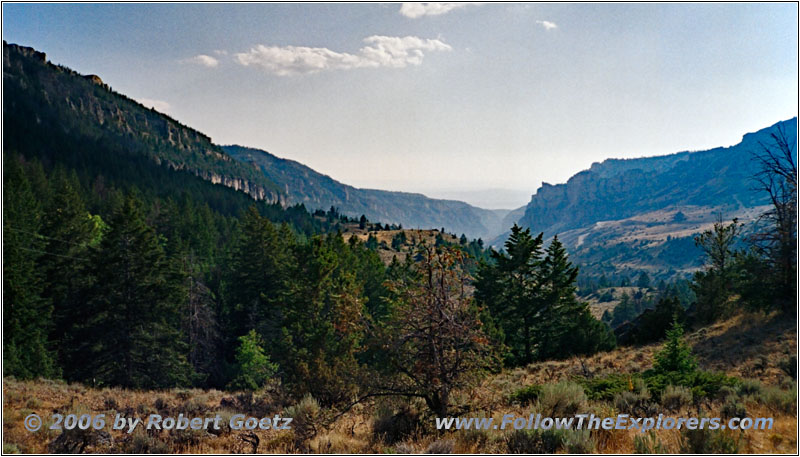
(303,185)
(58,97)
(617,189)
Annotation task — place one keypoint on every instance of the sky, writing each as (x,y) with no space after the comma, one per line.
(478,101)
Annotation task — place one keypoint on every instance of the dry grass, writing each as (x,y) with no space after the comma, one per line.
(748,346)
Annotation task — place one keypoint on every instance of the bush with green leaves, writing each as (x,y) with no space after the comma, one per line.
(707,441)
(649,444)
(607,387)
(525,395)
(733,408)
(562,399)
(675,365)
(780,400)
(676,397)
(535,441)
(253,363)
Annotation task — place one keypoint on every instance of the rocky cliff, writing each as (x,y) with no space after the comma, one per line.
(56,97)
(303,185)
(617,189)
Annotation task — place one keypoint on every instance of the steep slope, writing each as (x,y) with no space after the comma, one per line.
(40,96)
(303,185)
(623,216)
(621,188)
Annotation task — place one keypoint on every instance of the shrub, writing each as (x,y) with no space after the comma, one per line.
(789,366)
(142,443)
(254,367)
(733,408)
(633,403)
(391,426)
(405,448)
(11,448)
(606,388)
(306,415)
(534,441)
(676,397)
(780,400)
(440,447)
(726,392)
(750,387)
(706,441)
(649,444)
(526,395)
(562,399)
(578,441)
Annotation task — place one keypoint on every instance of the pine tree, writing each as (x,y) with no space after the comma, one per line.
(253,365)
(676,356)
(69,230)
(566,326)
(510,288)
(323,324)
(132,337)
(256,285)
(26,312)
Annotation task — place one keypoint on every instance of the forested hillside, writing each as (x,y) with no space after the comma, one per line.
(303,185)
(42,97)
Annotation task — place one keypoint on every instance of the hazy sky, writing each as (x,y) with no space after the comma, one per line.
(440,98)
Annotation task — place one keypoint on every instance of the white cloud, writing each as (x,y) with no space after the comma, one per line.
(204,60)
(415,10)
(547,25)
(158,105)
(381,51)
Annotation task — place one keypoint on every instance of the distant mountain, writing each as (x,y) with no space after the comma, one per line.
(40,96)
(303,185)
(641,214)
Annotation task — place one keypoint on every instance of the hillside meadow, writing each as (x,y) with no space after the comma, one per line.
(755,349)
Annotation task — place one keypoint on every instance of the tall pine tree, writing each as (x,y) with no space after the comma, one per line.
(132,334)
(26,312)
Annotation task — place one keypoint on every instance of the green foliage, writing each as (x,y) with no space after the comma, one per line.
(674,365)
(535,441)
(530,294)
(715,285)
(562,399)
(707,441)
(649,444)
(607,387)
(131,334)
(526,395)
(253,364)
(676,397)
(676,356)
(653,324)
(26,309)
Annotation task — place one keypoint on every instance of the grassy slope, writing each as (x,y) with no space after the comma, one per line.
(746,345)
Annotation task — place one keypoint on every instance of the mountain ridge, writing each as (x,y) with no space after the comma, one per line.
(86,106)
(302,184)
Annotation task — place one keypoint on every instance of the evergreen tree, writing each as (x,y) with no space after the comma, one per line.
(256,286)
(323,325)
(69,230)
(566,326)
(676,355)
(510,289)
(132,334)
(253,365)
(644,281)
(26,312)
